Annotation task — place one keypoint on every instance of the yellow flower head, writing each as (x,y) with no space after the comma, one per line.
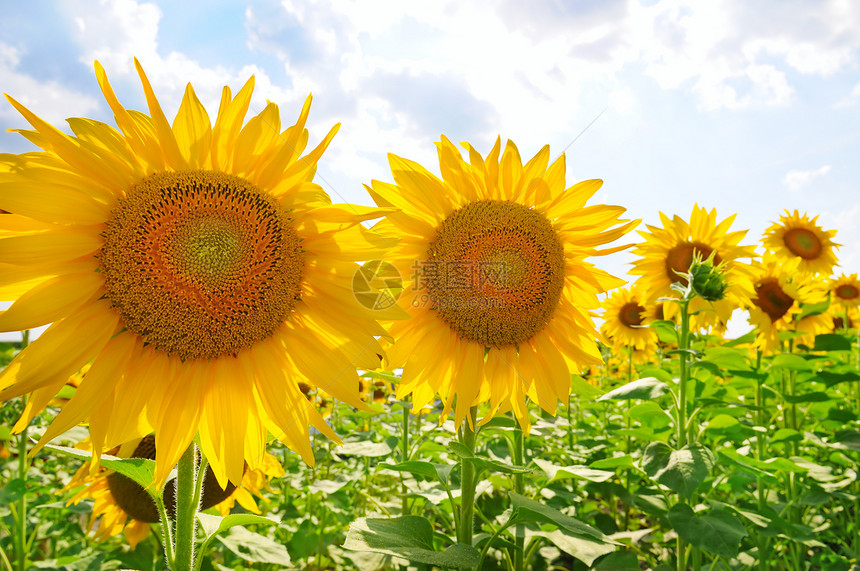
(195,265)
(124,507)
(844,292)
(498,286)
(778,301)
(798,239)
(625,324)
(667,252)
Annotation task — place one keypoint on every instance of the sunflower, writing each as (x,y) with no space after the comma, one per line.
(778,301)
(844,294)
(498,286)
(799,239)
(196,266)
(669,250)
(121,506)
(625,324)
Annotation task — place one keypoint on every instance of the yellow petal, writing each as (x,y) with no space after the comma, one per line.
(193,130)
(49,301)
(48,247)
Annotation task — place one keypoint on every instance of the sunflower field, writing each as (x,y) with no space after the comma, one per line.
(238,373)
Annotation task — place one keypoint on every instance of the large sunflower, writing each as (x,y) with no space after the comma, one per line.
(778,300)
(799,239)
(195,265)
(498,285)
(625,323)
(669,250)
(121,506)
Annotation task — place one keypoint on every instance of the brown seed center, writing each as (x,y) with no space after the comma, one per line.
(772,299)
(804,243)
(201,264)
(494,273)
(631,314)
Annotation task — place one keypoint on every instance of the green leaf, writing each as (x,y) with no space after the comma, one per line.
(727,358)
(816,396)
(769,466)
(555,473)
(409,537)
(460,450)
(665,331)
(13,491)
(714,531)
(808,309)
(139,470)
(504,422)
(581,548)
(744,339)
(573,537)
(790,362)
(645,389)
(389,377)
(830,378)
(94,562)
(849,439)
(625,461)
(254,547)
(680,470)
(654,371)
(650,414)
(328,487)
(493,466)
(213,524)
(414,467)
(618,561)
(582,388)
(786,435)
(5,433)
(529,510)
(831,342)
(364,449)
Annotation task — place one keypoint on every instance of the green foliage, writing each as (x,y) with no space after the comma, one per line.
(768,479)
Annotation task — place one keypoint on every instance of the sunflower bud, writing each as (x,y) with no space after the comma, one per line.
(707,279)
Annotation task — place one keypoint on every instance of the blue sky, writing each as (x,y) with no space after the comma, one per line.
(749,108)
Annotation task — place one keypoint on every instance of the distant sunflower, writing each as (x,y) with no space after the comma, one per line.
(778,301)
(196,266)
(499,288)
(625,324)
(121,506)
(844,293)
(796,238)
(669,250)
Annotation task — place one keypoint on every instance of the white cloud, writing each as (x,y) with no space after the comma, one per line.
(851,99)
(797,179)
(47,99)
(120,30)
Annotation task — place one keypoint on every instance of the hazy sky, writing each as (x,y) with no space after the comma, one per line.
(748,107)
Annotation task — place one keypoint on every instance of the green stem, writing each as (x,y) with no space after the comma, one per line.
(497,533)
(467,479)
(761,453)
(569,424)
(188,485)
(629,439)
(683,345)
(519,487)
(404,457)
(21,550)
(166,531)
(7,565)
